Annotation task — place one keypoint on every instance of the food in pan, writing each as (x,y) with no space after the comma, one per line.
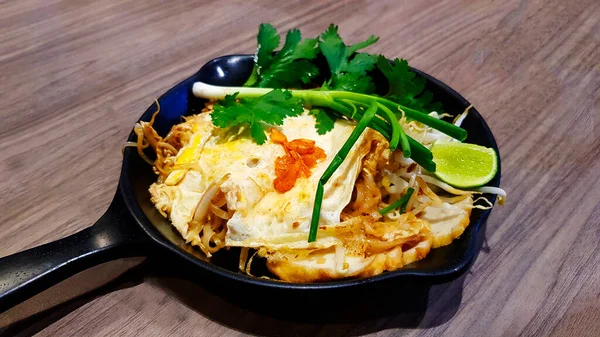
(315,169)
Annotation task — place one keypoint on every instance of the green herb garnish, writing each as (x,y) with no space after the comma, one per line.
(325,120)
(271,108)
(348,70)
(402,202)
(405,88)
(291,67)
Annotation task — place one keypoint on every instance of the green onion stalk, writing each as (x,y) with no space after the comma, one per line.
(376,112)
(345,103)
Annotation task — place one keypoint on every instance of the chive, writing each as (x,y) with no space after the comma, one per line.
(438,124)
(345,149)
(316,214)
(351,106)
(355,103)
(422,155)
(381,126)
(409,192)
(398,134)
(335,163)
(377,127)
(402,202)
(323,101)
(419,153)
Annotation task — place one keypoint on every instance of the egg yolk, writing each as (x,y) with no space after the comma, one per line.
(301,155)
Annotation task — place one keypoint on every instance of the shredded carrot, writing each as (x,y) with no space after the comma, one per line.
(300,156)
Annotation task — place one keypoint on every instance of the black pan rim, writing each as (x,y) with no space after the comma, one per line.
(405,275)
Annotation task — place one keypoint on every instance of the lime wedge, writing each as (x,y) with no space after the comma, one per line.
(464,165)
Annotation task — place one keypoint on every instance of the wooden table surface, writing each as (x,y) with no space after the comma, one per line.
(75,76)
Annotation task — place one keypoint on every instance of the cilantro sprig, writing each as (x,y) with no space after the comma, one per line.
(405,88)
(348,71)
(291,67)
(348,68)
(269,109)
(347,91)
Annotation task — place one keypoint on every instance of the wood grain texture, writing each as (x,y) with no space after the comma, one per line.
(75,75)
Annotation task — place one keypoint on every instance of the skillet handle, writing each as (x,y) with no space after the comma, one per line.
(113,236)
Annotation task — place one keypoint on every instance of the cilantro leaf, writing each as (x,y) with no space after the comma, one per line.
(300,72)
(325,121)
(346,66)
(361,45)
(271,109)
(258,134)
(290,67)
(352,82)
(405,88)
(333,48)
(360,64)
(268,41)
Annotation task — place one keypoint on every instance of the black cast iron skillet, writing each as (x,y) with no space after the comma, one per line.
(132,227)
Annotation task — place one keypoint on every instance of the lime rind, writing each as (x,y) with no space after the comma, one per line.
(464,165)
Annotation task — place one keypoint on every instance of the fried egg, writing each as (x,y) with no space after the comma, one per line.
(262,216)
